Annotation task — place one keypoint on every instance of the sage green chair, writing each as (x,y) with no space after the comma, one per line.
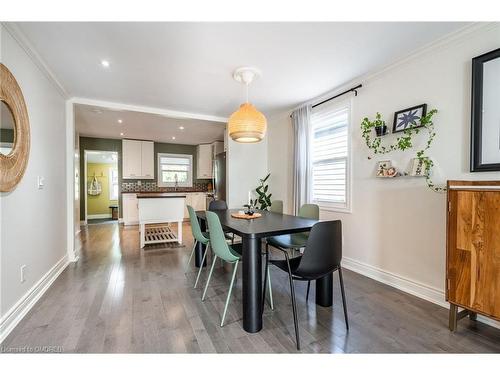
(296,240)
(276,207)
(221,249)
(199,236)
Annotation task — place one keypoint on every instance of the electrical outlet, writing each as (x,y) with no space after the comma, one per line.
(23,270)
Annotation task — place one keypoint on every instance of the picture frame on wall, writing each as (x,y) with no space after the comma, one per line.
(417,168)
(409,117)
(485,112)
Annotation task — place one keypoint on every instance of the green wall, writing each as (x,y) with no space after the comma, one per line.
(103,144)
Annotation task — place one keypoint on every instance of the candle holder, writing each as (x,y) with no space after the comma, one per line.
(250,209)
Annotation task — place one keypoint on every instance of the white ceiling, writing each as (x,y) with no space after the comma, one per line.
(188,66)
(101,122)
(107,157)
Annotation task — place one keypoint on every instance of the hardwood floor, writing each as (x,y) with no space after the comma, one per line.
(117,298)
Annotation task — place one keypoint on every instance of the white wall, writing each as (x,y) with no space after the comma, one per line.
(398,226)
(33,221)
(246,164)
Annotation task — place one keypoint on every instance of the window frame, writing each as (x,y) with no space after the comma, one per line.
(159,181)
(110,183)
(332,206)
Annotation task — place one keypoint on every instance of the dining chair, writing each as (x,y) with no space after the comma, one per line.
(230,254)
(321,257)
(199,236)
(276,207)
(219,204)
(297,240)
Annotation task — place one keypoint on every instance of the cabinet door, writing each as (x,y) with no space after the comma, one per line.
(147,160)
(130,209)
(473,257)
(199,201)
(189,201)
(204,158)
(131,155)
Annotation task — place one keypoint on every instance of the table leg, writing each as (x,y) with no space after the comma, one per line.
(200,248)
(324,291)
(252,285)
(179,232)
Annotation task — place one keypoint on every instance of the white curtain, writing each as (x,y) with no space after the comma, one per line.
(300,122)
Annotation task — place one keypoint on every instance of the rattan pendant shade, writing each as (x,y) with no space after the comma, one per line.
(247,124)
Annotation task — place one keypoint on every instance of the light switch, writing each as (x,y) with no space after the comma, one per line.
(40,182)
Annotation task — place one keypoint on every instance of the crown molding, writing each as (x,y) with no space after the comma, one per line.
(15,31)
(440,43)
(144,109)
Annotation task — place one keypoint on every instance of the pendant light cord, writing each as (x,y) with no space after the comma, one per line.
(247,90)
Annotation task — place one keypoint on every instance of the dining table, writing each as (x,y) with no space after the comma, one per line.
(252,233)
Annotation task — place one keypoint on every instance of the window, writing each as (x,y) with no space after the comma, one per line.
(329,157)
(175,170)
(113,184)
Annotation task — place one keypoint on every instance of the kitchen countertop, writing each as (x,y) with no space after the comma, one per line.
(160,195)
(165,192)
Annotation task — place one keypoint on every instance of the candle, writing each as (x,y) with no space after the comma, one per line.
(249,198)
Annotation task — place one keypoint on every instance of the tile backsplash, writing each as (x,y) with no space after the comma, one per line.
(150,186)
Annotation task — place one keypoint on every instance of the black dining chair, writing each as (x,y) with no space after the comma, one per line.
(219,204)
(322,256)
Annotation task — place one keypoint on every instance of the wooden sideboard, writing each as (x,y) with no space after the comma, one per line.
(473,249)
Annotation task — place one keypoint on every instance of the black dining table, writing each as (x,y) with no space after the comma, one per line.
(252,232)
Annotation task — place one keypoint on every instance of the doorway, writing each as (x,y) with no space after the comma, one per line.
(101,187)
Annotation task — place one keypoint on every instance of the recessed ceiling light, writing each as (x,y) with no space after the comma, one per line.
(105,63)
(122,134)
(120,120)
(173,137)
(181,127)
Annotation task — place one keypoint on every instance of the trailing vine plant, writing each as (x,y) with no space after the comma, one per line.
(404,142)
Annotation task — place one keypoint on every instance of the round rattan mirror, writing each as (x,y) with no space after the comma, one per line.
(14,131)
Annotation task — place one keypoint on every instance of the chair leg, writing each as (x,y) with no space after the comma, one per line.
(344,302)
(209,277)
(229,293)
(294,305)
(266,275)
(191,256)
(308,288)
(201,266)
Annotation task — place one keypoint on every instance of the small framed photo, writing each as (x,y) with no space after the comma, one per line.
(409,117)
(385,169)
(417,168)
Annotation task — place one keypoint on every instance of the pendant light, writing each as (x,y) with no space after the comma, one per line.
(247,124)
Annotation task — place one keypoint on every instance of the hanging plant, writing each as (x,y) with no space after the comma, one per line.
(404,142)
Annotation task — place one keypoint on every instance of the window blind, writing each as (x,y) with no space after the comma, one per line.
(329,156)
(174,169)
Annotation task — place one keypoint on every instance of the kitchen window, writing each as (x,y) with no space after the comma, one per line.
(330,157)
(175,170)
(113,184)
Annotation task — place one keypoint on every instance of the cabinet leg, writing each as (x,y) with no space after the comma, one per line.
(179,232)
(142,234)
(453,317)
(472,315)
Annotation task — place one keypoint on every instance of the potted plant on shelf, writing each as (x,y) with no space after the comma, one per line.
(378,124)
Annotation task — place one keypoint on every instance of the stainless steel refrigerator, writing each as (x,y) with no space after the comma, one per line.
(219,180)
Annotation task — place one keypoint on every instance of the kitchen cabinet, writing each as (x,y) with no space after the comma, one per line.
(196,200)
(130,209)
(204,161)
(137,159)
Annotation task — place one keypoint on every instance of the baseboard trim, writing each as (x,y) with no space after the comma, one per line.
(12,317)
(426,292)
(99,216)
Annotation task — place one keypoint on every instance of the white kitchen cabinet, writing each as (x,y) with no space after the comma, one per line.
(217,148)
(204,161)
(137,159)
(130,209)
(196,200)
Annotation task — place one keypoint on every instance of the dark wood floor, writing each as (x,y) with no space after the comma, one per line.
(117,298)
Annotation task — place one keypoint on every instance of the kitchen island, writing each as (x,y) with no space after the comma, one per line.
(156,212)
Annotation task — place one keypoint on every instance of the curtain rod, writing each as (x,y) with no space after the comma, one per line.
(336,96)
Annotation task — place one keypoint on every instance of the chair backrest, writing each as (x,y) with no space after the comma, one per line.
(195,226)
(323,251)
(309,211)
(218,239)
(277,207)
(217,205)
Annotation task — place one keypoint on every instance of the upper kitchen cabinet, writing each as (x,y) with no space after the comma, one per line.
(204,161)
(138,159)
(205,156)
